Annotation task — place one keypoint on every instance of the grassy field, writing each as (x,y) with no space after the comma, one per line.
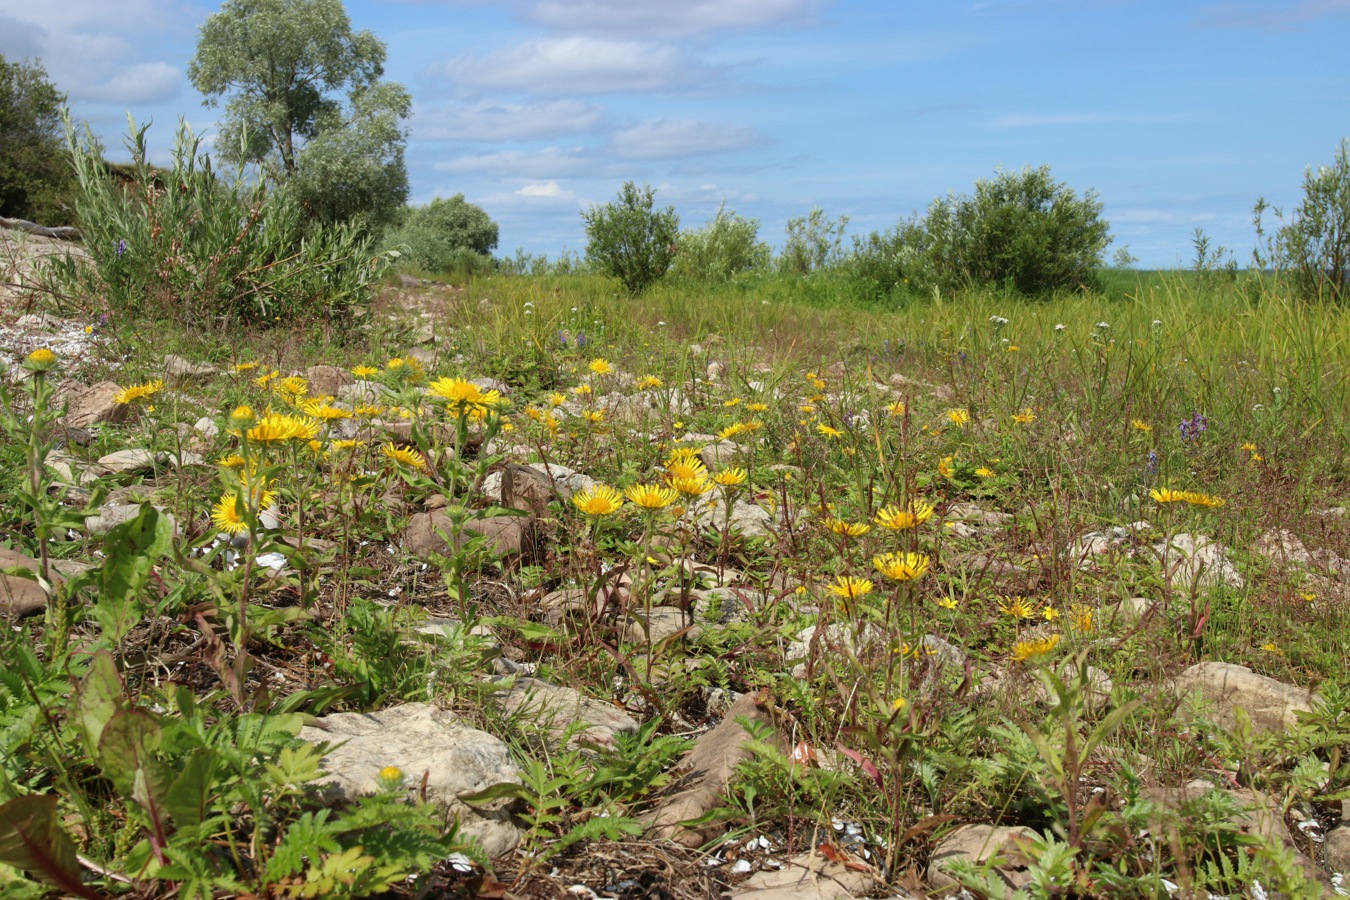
(978,503)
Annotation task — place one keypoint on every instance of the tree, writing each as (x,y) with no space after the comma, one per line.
(1314,245)
(813,242)
(306,103)
(34,172)
(729,244)
(630,240)
(437,235)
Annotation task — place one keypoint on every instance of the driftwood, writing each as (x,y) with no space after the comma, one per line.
(64,233)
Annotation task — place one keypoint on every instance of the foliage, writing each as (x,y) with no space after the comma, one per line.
(629,240)
(35,178)
(307,104)
(813,243)
(212,250)
(1314,245)
(727,246)
(437,236)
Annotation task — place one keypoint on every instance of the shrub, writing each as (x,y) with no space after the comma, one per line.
(728,245)
(190,243)
(437,236)
(1021,229)
(1314,246)
(890,261)
(813,242)
(34,175)
(628,239)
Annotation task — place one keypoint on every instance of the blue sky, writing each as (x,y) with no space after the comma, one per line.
(1177,114)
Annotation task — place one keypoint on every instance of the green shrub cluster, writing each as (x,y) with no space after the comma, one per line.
(630,240)
(727,246)
(190,243)
(34,177)
(448,234)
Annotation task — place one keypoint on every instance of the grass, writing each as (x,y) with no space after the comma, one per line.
(1215,385)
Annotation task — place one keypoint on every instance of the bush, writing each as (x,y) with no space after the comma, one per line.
(34,175)
(188,243)
(1314,247)
(437,236)
(887,262)
(1022,229)
(727,246)
(813,242)
(629,240)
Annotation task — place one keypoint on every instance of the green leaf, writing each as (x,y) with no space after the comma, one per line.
(129,739)
(189,796)
(498,791)
(98,700)
(31,839)
(131,550)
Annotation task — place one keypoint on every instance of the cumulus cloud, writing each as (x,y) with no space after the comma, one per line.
(484,121)
(141,83)
(674,138)
(580,65)
(547,190)
(539,165)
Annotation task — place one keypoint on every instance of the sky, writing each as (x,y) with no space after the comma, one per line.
(1177,115)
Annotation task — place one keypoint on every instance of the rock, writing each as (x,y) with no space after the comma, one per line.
(408,281)
(747,519)
(134,462)
(664,622)
(1337,849)
(977,844)
(565,715)
(527,489)
(1095,543)
(508,536)
(19,596)
(432,747)
(1126,613)
(359,392)
(91,405)
(326,381)
(1007,577)
(109,516)
(704,774)
(1272,705)
(491,384)
(176,367)
(715,370)
(943,656)
(1195,561)
(207,426)
(808,876)
(714,450)
(972,513)
(1261,815)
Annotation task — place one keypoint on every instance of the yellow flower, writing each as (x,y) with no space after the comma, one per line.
(806,408)
(1017,607)
(582,390)
(851,529)
(600,366)
(650,496)
(959,417)
(731,431)
(757,407)
(1271,648)
(598,500)
(1249,447)
(266,379)
(138,392)
(405,456)
(846,587)
(894,518)
(984,472)
(901,566)
(234,461)
(734,401)
(945,467)
(1195,498)
(731,477)
(225,514)
(407,369)
(947,603)
(684,463)
(692,487)
(593,415)
(898,704)
(295,385)
(368,411)
(1050,613)
(1140,425)
(463,395)
(1025,417)
(828,432)
(348,444)
(322,411)
(896,409)
(1167,495)
(555,400)
(41,360)
(242,417)
(1024,650)
(245,366)
(1082,617)
(364,372)
(1013,348)
(649,381)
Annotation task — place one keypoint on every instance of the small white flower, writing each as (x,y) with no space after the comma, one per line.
(1103,324)
(1157,323)
(1059,327)
(660,324)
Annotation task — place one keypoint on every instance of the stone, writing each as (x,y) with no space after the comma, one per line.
(207,426)
(704,774)
(176,367)
(1127,613)
(663,622)
(110,515)
(1272,705)
(432,747)
(20,596)
(1006,577)
(747,519)
(134,462)
(326,381)
(508,536)
(1196,561)
(360,392)
(714,451)
(973,513)
(1337,849)
(808,876)
(91,405)
(977,844)
(1261,815)
(564,715)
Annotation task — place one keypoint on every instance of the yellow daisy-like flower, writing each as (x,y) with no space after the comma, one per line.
(894,518)
(242,417)
(896,409)
(649,381)
(851,529)
(947,603)
(734,401)
(945,467)
(682,454)
(1025,650)
(847,587)
(826,431)
(902,566)
(42,359)
(368,411)
(1025,417)
(365,372)
(391,777)
(899,704)
(806,408)
(959,417)
(600,366)
(1017,607)
(731,477)
(690,487)
(757,407)
(649,496)
(686,466)
(463,394)
(1081,617)
(264,380)
(598,500)
(407,369)
(295,386)
(1167,495)
(225,514)
(583,390)
(1249,447)
(1195,498)
(234,461)
(555,400)
(984,472)
(138,392)
(245,366)
(271,429)
(347,444)
(1140,425)
(1050,613)
(322,411)
(404,456)
(731,431)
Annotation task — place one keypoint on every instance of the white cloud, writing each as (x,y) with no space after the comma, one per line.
(673,138)
(666,19)
(540,165)
(577,64)
(141,83)
(549,190)
(484,121)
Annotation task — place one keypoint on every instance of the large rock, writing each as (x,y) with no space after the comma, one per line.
(326,381)
(185,370)
(1195,561)
(20,596)
(507,536)
(565,715)
(806,876)
(747,519)
(1338,849)
(1272,705)
(978,844)
(134,461)
(431,746)
(92,404)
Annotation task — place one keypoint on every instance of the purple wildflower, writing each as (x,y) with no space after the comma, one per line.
(121,248)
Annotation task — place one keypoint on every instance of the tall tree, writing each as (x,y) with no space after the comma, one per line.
(34,171)
(306,103)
